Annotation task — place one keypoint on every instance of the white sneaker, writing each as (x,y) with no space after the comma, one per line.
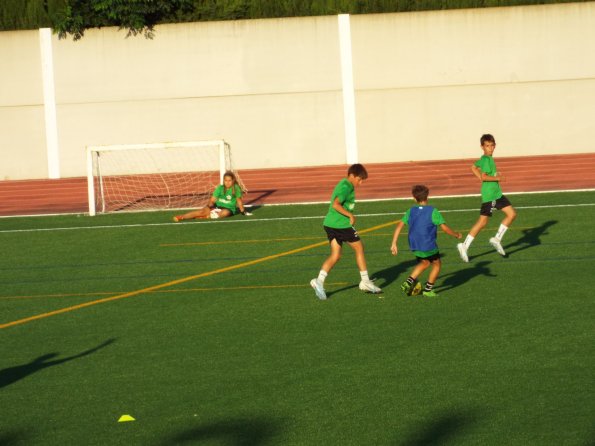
(498,246)
(463,252)
(318,289)
(368,286)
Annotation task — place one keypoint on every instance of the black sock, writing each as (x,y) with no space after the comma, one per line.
(429,286)
(410,280)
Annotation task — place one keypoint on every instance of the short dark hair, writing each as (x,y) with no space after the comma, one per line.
(487,137)
(357,170)
(420,192)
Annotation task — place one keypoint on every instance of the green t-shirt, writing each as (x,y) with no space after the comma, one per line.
(490,190)
(345,192)
(227,198)
(437,219)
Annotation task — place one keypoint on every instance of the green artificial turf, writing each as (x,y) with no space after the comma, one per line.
(215,337)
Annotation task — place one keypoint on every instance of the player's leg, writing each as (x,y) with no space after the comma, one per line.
(220,213)
(509,216)
(199,213)
(334,257)
(482,221)
(365,283)
(434,272)
(411,286)
(327,266)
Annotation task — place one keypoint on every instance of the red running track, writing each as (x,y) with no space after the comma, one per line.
(314,184)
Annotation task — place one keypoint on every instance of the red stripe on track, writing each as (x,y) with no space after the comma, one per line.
(314,184)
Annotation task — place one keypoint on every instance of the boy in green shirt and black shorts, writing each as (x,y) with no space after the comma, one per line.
(492,198)
(338,225)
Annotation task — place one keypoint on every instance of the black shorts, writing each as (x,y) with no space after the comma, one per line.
(431,259)
(488,207)
(341,235)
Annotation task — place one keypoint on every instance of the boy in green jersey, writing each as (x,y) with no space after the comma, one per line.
(338,225)
(423,221)
(492,198)
(225,201)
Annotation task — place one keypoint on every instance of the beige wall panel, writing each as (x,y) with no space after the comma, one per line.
(474,46)
(264,130)
(200,60)
(22,143)
(538,118)
(20,79)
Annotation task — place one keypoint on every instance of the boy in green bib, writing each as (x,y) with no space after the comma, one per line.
(338,225)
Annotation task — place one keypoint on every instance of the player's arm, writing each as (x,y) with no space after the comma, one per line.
(241,207)
(337,206)
(393,246)
(482,176)
(450,232)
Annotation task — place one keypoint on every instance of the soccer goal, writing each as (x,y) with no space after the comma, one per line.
(141,177)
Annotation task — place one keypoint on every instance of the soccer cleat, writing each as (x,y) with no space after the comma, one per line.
(369,287)
(406,288)
(178,218)
(430,293)
(463,252)
(416,289)
(498,246)
(318,289)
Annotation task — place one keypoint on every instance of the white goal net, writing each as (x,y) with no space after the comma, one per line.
(139,177)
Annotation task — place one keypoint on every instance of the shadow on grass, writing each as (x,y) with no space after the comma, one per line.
(382,278)
(236,432)
(11,375)
(530,238)
(392,273)
(441,430)
(460,277)
(13,438)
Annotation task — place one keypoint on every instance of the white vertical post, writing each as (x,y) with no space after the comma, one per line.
(348,89)
(222,163)
(90,182)
(49,102)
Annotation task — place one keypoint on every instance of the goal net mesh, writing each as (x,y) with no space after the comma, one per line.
(156,176)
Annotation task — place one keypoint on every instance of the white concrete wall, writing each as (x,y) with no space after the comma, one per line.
(427,85)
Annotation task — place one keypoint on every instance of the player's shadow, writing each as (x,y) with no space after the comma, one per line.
(530,238)
(11,375)
(235,432)
(388,275)
(442,430)
(460,277)
(382,278)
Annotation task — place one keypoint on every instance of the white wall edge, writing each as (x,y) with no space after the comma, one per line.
(49,102)
(348,87)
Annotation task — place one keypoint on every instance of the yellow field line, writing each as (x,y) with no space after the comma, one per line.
(178,281)
(176,290)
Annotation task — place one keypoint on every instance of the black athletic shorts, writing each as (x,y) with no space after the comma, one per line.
(432,258)
(341,235)
(488,207)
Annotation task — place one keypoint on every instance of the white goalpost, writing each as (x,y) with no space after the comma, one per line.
(157,176)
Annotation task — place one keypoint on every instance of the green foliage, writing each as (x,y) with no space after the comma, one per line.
(137,16)
(73,17)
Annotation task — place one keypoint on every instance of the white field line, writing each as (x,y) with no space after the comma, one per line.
(256,220)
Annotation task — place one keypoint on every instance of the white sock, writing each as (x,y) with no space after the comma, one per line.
(322,275)
(468,241)
(501,231)
(364,275)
